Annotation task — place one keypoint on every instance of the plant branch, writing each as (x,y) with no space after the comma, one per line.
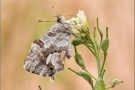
(89,48)
(39,88)
(89,73)
(105,54)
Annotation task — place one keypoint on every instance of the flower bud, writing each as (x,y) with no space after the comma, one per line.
(116,82)
(76,42)
(105,44)
(85,75)
(84,29)
(100,85)
(79,60)
(82,36)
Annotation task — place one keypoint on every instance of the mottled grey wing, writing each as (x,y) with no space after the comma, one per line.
(47,54)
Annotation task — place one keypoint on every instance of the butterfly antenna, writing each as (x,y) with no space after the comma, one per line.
(45,21)
(53,11)
(70,15)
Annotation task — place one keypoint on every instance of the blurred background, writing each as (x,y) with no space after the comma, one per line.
(20,27)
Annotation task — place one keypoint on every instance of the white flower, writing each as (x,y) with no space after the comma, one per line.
(82,18)
(80,23)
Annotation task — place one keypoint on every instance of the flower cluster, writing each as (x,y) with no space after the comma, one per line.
(80,23)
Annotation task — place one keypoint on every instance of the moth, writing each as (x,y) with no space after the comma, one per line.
(47,54)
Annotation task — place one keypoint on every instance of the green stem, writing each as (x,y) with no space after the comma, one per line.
(101,34)
(75,49)
(89,45)
(103,73)
(106,31)
(109,87)
(96,54)
(39,88)
(98,64)
(86,71)
(72,70)
(88,35)
(75,35)
(89,73)
(100,42)
(89,48)
(94,32)
(105,54)
(94,47)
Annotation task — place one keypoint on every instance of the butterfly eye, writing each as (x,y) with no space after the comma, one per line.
(51,68)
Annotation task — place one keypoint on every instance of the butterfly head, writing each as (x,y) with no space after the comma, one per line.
(60,18)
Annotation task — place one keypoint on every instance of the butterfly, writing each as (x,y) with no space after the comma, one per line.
(47,54)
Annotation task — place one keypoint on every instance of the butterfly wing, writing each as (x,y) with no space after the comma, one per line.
(47,54)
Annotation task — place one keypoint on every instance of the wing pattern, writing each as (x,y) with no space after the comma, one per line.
(47,54)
